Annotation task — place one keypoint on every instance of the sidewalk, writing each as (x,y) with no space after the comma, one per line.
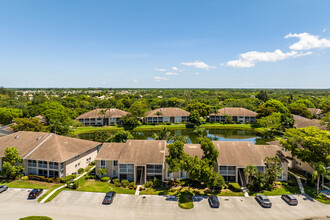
(301,187)
(52,192)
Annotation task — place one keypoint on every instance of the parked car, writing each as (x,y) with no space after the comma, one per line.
(3,188)
(290,199)
(263,200)
(35,193)
(214,201)
(109,197)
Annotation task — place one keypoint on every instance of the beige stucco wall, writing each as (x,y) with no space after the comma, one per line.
(108,167)
(70,165)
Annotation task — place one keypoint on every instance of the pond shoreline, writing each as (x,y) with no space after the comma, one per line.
(90,129)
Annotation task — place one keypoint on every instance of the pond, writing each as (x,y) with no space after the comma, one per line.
(214,134)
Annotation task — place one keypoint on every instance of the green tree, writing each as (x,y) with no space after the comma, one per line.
(272,122)
(163,134)
(309,144)
(300,109)
(8,114)
(102,171)
(210,153)
(202,109)
(179,138)
(274,168)
(305,102)
(319,170)
(326,120)
(138,108)
(11,161)
(250,172)
(175,156)
(102,136)
(287,121)
(129,122)
(200,132)
(28,124)
(195,118)
(59,127)
(263,95)
(122,136)
(228,119)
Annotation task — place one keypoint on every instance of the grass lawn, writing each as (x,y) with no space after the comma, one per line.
(226,192)
(185,200)
(104,187)
(279,191)
(90,129)
(36,218)
(50,190)
(54,195)
(29,184)
(312,192)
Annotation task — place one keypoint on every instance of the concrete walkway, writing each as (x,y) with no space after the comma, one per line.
(137,192)
(301,187)
(245,191)
(52,192)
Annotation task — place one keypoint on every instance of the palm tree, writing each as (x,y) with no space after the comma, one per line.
(163,134)
(103,112)
(319,170)
(250,172)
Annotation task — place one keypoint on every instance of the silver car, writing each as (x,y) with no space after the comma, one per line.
(263,200)
(290,199)
(3,188)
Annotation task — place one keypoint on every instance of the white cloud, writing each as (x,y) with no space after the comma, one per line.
(324,30)
(171,74)
(175,68)
(308,41)
(160,70)
(199,65)
(159,78)
(250,59)
(136,81)
(197,73)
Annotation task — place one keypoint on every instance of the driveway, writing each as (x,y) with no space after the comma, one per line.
(86,205)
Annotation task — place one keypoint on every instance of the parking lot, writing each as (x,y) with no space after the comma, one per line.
(86,205)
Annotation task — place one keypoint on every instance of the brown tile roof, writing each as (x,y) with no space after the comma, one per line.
(301,122)
(168,112)
(235,112)
(138,152)
(243,153)
(315,111)
(45,146)
(96,113)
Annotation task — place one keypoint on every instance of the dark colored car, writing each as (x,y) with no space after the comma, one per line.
(35,193)
(109,197)
(263,200)
(3,188)
(214,201)
(290,199)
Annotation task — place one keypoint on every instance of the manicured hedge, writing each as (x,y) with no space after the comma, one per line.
(36,218)
(44,179)
(68,178)
(105,179)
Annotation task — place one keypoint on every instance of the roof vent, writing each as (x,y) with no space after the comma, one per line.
(17,136)
(39,138)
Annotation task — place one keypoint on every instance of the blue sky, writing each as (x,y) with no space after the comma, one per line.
(165,44)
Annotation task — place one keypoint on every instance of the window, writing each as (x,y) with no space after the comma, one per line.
(129,177)
(169,174)
(42,164)
(32,163)
(152,168)
(152,177)
(115,163)
(103,163)
(53,173)
(183,174)
(115,173)
(53,165)
(32,171)
(126,168)
(62,166)
(42,172)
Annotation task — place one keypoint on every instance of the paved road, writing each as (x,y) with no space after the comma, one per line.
(84,205)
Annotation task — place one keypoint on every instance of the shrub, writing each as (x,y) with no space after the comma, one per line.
(105,179)
(36,177)
(235,187)
(68,178)
(124,183)
(148,184)
(91,176)
(92,163)
(157,183)
(24,178)
(131,185)
(80,170)
(116,182)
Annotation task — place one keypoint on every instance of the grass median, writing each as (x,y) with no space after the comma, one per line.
(28,184)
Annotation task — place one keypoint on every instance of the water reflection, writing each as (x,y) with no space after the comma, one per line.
(214,134)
